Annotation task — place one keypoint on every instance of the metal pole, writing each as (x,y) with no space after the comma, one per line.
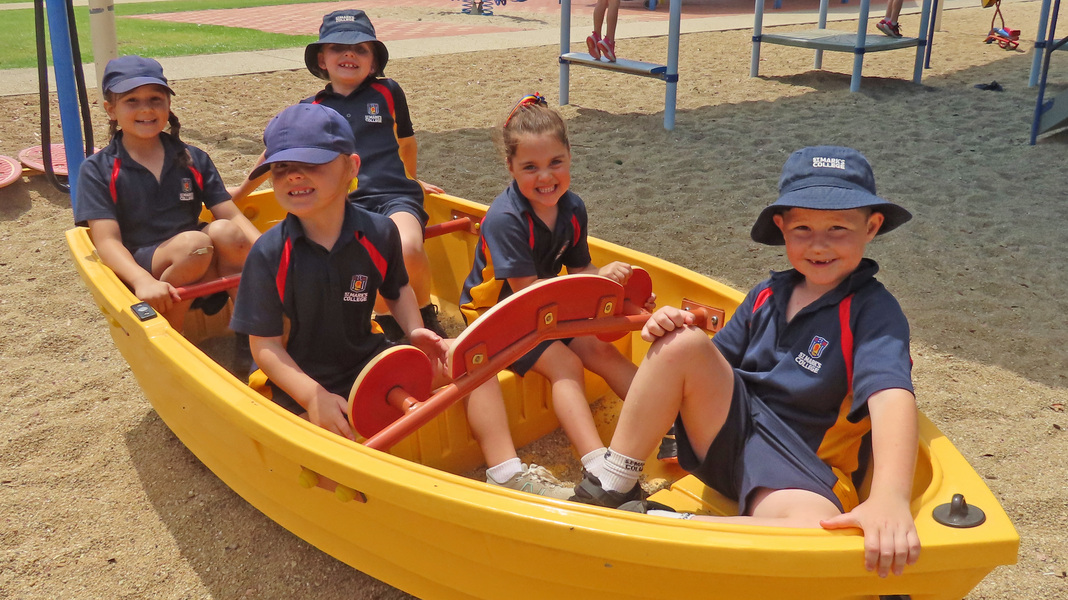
(63,64)
(102,32)
(818,62)
(758,28)
(565,47)
(925,20)
(671,95)
(858,51)
(1040,43)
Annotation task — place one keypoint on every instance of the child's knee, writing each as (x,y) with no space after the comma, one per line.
(225,234)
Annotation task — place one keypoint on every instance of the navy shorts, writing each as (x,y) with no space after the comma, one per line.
(341,388)
(388,205)
(756,449)
(526,362)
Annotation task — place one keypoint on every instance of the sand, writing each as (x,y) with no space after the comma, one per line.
(100,500)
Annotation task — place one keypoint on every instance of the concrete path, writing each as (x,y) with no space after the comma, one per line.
(429,37)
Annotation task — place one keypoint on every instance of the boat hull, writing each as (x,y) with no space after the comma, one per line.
(409,519)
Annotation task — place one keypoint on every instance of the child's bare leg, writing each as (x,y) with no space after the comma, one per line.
(181,260)
(488,420)
(605,360)
(612,15)
(564,371)
(783,508)
(231,246)
(416,261)
(683,374)
(598,14)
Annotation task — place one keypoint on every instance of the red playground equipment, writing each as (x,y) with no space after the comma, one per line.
(1008,39)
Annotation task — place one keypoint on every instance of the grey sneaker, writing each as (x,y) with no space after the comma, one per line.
(538,480)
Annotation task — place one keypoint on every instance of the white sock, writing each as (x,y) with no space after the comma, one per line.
(506,470)
(620,472)
(669,514)
(593,462)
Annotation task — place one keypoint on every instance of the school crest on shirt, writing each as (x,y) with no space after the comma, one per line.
(816,348)
(357,289)
(374,113)
(186,194)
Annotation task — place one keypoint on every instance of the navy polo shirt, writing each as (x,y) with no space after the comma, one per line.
(799,368)
(327,295)
(112,185)
(378,113)
(515,242)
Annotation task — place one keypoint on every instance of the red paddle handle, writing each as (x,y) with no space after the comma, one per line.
(208,288)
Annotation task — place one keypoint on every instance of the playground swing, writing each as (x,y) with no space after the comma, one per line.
(1006,38)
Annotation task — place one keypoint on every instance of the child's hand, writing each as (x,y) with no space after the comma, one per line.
(431,344)
(329,411)
(160,295)
(650,303)
(665,320)
(618,272)
(430,188)
(890,538)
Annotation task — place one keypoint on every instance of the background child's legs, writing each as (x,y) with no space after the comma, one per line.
(683,375)
(893,10)
(564,370)
(612,15)
(605,360)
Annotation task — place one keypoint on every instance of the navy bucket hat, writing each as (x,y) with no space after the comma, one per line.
(128,72)
(826,178)
(306,133)
(345,27)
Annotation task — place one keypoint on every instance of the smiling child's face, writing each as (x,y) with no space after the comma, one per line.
(827,245)
(347,65)
(141,112)
(541,166)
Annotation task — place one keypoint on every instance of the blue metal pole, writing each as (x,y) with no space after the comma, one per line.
(758,31)
(63,64)
(1040,43)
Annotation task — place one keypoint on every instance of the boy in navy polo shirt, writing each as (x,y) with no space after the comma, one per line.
(321,269)
(773,410)
(350,57)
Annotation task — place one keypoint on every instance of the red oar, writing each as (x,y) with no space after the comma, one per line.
(208,288)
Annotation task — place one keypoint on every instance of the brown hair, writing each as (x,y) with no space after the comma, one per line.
(183,160)
(531,116)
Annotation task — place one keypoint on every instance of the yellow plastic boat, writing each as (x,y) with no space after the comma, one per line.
(408,518)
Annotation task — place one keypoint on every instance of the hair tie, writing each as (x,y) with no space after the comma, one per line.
(528,100)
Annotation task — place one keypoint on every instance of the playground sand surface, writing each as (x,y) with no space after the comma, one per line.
(100,500)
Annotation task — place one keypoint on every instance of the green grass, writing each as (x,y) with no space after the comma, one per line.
(147,38)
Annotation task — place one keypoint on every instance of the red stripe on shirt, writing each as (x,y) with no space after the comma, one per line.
(283,269)
(376,256)
(761,298)
(388,95)
(113,187)
(847,338)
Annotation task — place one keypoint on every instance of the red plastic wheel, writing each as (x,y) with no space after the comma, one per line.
(400,366)
(10,170)
(33,158)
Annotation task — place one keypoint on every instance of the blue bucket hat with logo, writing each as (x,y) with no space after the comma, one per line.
(306,133)
(345,27)
(128,72)
(826,178)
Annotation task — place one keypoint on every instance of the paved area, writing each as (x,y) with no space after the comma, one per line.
(436,27)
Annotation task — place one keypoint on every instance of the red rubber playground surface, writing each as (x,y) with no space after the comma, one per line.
(304,19)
